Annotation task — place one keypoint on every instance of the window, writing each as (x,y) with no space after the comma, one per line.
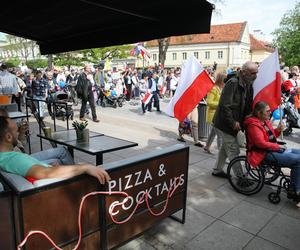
(220,54)
(154,56)
(196,54)
(174,56)
(207,54)
(184,56)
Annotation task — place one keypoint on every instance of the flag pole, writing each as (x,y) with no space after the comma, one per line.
(143,63)
(280,120)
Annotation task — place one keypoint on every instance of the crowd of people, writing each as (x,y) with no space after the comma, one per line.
(229,106)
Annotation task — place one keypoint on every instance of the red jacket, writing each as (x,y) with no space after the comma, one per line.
(258,140)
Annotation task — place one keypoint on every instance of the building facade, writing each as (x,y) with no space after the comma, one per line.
(229,45)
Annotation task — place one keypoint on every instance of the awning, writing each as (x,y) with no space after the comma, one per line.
(60,26)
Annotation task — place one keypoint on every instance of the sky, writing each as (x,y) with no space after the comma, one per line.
(264,15)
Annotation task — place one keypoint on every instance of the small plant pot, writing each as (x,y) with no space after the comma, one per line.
(83,135)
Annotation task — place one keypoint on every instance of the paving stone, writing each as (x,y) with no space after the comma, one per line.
(213,203)
(207,181)
(205,163)
(290,208)
(261,199)
(171,231)
(195,157)
(248,217)
(220,236)
(284,231)
(261,244)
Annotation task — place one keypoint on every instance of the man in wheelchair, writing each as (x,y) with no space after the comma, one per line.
(262,145)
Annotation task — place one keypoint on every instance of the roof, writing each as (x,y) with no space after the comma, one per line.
(68,25)
(256,44)
(218,34)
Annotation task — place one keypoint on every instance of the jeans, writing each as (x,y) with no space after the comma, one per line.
(291,159)
(156,101)
(58,155)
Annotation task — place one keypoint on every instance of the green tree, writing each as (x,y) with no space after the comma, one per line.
(68,59)
(287,37)
(18,45)
(37,63)
(13,62)
(113,52)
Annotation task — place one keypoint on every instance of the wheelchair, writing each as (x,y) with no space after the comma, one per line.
(248,180)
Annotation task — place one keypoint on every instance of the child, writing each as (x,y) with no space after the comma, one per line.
(185,127)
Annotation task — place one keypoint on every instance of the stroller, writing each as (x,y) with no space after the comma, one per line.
(110,98)
(62,106)
(291,118)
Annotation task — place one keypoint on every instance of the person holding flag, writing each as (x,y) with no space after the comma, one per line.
(235,104)
(193,86)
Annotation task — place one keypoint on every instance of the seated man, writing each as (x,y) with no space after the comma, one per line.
(262,145)
(30,167)
(22,128)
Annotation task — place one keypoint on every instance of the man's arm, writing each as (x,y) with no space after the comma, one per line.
(67,171)
(226,103)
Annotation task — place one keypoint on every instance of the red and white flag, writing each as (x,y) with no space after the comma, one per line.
(147,98)
(163,90)
(144,52)
(193,86)
(267,85)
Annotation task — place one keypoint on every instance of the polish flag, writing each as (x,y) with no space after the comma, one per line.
(163,90)
(144,52)
(147,98)
(193,86)
(267,85)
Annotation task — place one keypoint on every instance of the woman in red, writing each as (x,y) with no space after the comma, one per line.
(262,144)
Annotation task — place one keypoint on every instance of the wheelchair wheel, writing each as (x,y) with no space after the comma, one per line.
(243,178)
(271,173)
(274,198)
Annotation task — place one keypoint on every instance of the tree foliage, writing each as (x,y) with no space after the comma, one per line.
(287,37)
(13,62)
(78,58)
(113,52)
(37,63)
(18,45)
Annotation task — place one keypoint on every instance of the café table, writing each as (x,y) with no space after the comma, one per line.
(98,143)
(17,115)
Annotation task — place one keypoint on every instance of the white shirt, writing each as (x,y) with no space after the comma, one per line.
(8,84)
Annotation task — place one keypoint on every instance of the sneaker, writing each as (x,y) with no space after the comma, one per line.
(219,174)
(199,144)
(96,120)
(181,139)
(207,150)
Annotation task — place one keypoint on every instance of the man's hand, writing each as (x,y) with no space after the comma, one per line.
(237,126)
(23,128)
(97,172)
(280,127)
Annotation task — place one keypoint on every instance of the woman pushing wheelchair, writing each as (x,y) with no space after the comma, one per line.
(262,145)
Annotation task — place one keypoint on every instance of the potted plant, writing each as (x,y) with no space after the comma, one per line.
(82,132)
